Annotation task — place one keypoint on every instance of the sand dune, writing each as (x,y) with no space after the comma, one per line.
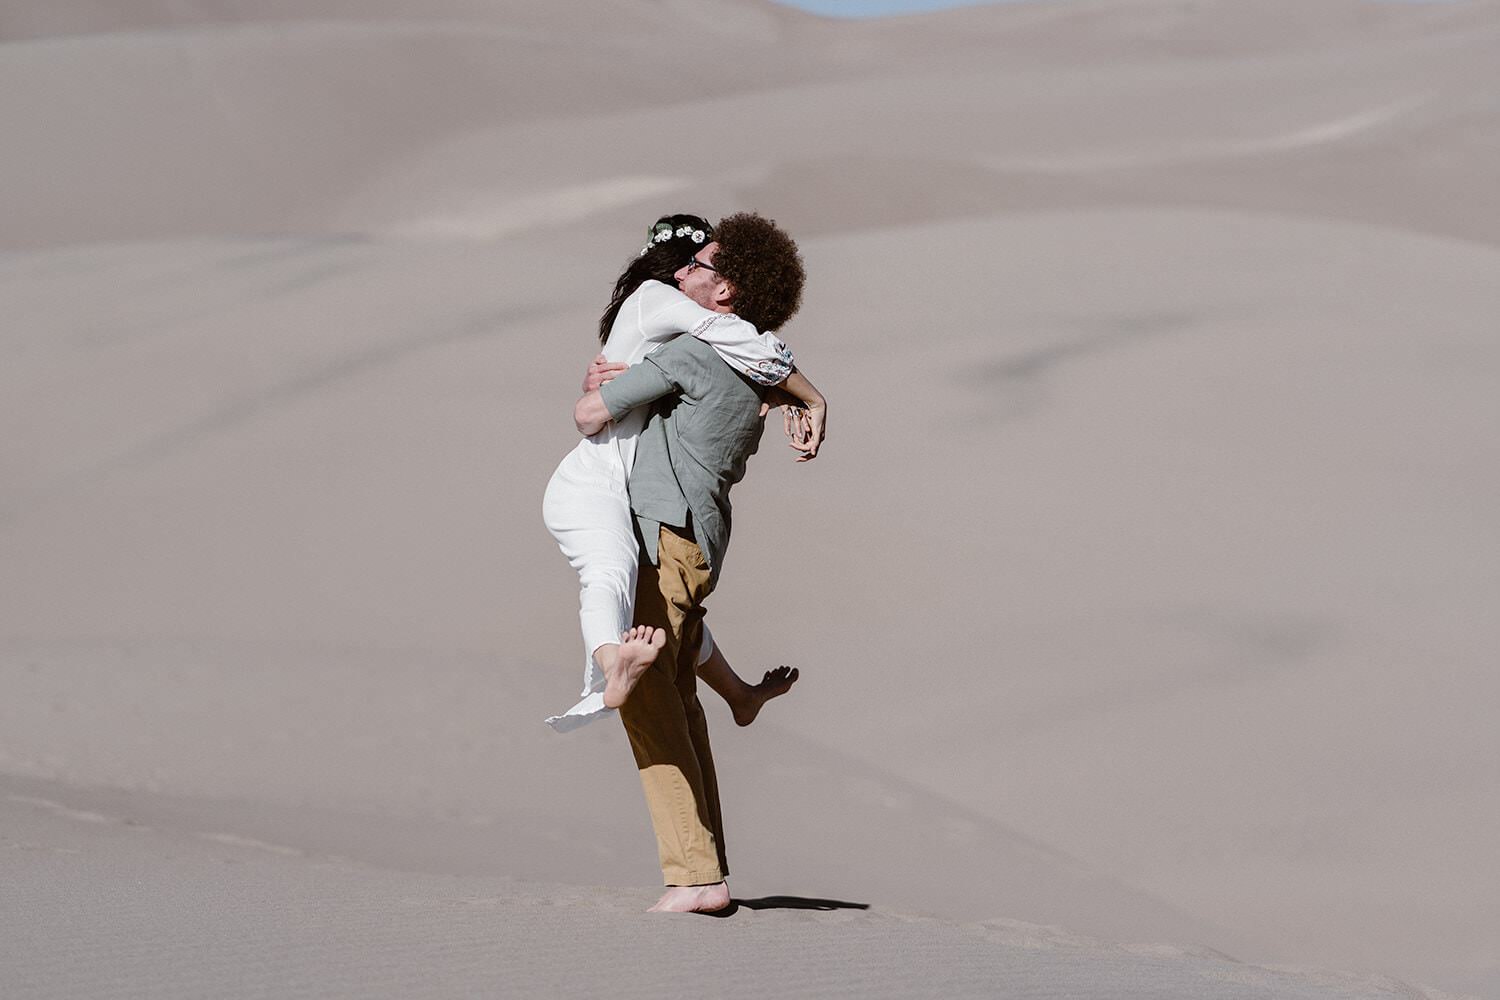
(797,801)
(268,127)
(1144,588)
(334,929)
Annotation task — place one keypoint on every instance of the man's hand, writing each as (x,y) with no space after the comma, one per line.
(601,371)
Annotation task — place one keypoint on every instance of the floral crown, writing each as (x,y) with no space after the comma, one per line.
(664,231)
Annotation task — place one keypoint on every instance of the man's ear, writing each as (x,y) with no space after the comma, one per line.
(724,295)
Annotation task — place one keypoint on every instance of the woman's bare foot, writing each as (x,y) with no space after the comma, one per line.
(637,651)
(693,899)
(776,683)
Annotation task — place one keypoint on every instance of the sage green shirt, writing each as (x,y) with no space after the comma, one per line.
(705,423)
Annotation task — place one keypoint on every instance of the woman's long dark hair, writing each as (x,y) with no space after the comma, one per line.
(662,259)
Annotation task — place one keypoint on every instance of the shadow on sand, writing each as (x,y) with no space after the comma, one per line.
(786,903)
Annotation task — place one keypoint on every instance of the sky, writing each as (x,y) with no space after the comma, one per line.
(881,8)
(885,8)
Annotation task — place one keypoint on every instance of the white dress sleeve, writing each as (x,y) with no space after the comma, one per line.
(666,313)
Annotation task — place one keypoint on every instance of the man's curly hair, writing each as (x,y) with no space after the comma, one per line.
(765,267)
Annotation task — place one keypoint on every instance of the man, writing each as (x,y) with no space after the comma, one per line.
(705,424)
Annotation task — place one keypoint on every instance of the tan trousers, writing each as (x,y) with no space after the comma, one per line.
(665,722)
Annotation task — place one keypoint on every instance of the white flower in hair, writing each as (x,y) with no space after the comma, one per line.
(697,236)
(663,236)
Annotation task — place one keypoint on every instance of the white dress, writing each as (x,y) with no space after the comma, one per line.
(587,504)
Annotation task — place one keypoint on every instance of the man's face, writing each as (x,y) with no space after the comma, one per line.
(702,283)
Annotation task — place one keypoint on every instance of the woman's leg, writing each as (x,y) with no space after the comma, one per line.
(745,700)
(589,515)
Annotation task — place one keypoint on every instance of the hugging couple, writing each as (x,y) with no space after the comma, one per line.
(672,408)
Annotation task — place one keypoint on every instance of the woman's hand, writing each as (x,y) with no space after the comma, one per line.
(805,416)
(805,423)
(805,428)
(601,371)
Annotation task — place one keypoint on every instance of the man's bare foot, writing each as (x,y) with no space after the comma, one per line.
(637,651)
(693,899)
(776,683)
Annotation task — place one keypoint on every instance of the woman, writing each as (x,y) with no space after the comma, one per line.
(587,504)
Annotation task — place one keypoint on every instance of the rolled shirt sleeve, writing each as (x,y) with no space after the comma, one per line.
(637,386)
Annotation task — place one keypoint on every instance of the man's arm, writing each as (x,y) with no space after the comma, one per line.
(590,414)
(641,384)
